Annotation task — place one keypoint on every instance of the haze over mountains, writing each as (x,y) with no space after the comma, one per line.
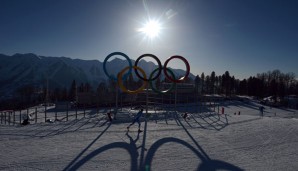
(30,69)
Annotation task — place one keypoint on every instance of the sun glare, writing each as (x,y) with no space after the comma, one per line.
(151,29)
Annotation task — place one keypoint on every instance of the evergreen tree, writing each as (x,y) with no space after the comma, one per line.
(212,82)
(197,84)
(72,91)
(207,85)
(64,94)
(202,82)
(243,87)
(226,80)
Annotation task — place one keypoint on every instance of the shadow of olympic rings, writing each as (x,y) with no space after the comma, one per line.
(132,152)
(207,164)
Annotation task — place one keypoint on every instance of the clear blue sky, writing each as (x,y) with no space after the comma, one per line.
(243,37)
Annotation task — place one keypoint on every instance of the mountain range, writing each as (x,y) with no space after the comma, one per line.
(58,72)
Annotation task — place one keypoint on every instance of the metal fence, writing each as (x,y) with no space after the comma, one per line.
(39,114)
(153,102)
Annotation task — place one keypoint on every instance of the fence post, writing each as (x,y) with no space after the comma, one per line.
(176,97)
(200,105)
(84,111)
(97,107)
(121,101)
(20,116)
(28,113)
(67,111)
(45,112)
(14,117)
(76,112)
(35,114)
(1,117)
(8,118)
(56,115)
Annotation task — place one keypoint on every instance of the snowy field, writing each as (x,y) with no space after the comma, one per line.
(205,141)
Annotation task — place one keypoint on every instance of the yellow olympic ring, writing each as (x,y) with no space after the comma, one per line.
(123,88)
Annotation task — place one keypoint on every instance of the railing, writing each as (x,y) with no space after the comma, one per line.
(156,102)
(42,114)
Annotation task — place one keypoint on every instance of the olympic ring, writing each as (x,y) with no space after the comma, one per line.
(165,91)
(120,83)
(112,77)
(121,76)
(159,67)
(187,69)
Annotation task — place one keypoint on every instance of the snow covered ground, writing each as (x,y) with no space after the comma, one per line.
(205,141)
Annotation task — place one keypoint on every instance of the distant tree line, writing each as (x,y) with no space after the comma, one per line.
(272,83)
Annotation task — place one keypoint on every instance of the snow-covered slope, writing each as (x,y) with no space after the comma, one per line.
(204,142)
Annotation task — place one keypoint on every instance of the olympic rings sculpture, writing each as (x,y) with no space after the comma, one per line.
(124,73)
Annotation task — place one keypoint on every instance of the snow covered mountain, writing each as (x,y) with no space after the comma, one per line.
(30,69)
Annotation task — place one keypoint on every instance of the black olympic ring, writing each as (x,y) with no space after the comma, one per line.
(159,67)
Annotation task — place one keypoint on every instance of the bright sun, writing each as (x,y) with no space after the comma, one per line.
(151,29)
